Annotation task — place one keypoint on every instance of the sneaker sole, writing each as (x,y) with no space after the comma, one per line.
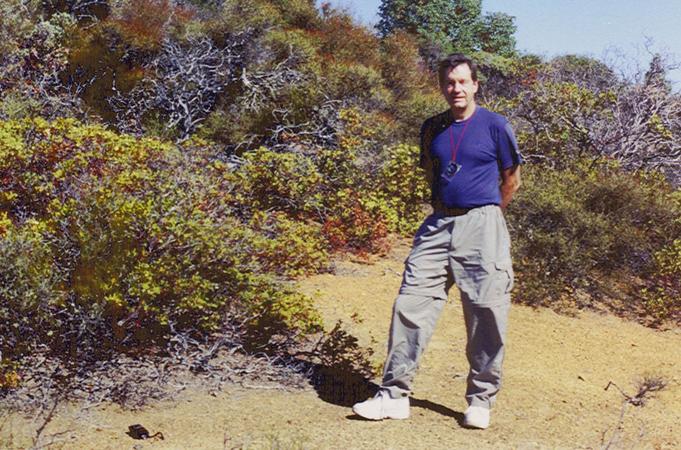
(473,426)
(394,417)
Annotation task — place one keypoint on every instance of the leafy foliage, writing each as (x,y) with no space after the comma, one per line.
(568,228)
(33,55)
(450,25)
(129,239)
(662,294)
(562,120)
(326,189)
(574,106)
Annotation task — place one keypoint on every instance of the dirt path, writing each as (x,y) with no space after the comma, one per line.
(555,373)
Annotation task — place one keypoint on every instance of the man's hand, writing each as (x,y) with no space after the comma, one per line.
(510,182)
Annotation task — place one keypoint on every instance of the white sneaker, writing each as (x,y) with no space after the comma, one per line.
(476,417)
(382,406)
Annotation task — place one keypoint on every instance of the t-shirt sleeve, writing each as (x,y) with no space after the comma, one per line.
(507,147)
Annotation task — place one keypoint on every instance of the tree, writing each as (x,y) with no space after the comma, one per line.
(450,25)
(496,33)
(583,71)
(646,130)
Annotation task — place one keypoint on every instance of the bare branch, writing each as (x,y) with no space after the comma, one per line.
(183,84)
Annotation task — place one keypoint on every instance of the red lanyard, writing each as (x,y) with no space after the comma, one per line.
(454,149)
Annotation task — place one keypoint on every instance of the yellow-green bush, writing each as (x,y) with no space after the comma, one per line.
(357,82)
(321,191)
(362,135)
(272,308)
(285,182)
(410,112)
(29,285)
(662,296)
(561,118)
(288,247)
(357,199)
(110,241)
(403,187)
(297,44)
(354,223)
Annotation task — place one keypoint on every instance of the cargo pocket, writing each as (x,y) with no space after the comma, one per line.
(495,287)
(505,277)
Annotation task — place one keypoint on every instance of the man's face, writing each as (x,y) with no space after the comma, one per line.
(459,88)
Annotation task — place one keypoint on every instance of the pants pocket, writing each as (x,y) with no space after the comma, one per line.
(488,284)
(506,276)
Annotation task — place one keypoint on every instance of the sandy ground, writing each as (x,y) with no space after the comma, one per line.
(554,395)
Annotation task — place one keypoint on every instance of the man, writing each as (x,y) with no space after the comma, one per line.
(465,151)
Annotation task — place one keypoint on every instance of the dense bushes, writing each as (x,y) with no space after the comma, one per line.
(33,54)
(662,294)
(582,229)
(109,241)
(357,201)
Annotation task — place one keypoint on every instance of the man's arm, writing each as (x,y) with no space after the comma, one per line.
(510,183)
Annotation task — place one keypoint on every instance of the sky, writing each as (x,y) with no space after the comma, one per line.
(615,31)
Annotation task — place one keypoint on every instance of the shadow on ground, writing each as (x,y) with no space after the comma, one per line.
(341,387)
(345,388)
(436,407)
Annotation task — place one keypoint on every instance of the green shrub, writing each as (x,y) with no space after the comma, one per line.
(557,120)
(288,247)
(403,188)
(110,242)
(361,137)
(582,229)
(354,225)
(285,182)
(29,285)
(410,112)
(295,43)
(662,295)
(345,41)
(272,309)
(356,82)
(357,202)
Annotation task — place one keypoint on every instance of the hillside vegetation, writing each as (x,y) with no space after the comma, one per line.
(167,167)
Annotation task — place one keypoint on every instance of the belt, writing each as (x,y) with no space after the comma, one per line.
(451,212)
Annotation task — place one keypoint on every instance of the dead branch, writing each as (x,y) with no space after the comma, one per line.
(183,84)
(645,388)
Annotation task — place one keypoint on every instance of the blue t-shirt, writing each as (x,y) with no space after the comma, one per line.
(486,145)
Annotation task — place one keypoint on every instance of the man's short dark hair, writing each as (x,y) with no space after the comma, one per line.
(451,61)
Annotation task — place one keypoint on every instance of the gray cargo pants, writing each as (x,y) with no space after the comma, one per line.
(473,251)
